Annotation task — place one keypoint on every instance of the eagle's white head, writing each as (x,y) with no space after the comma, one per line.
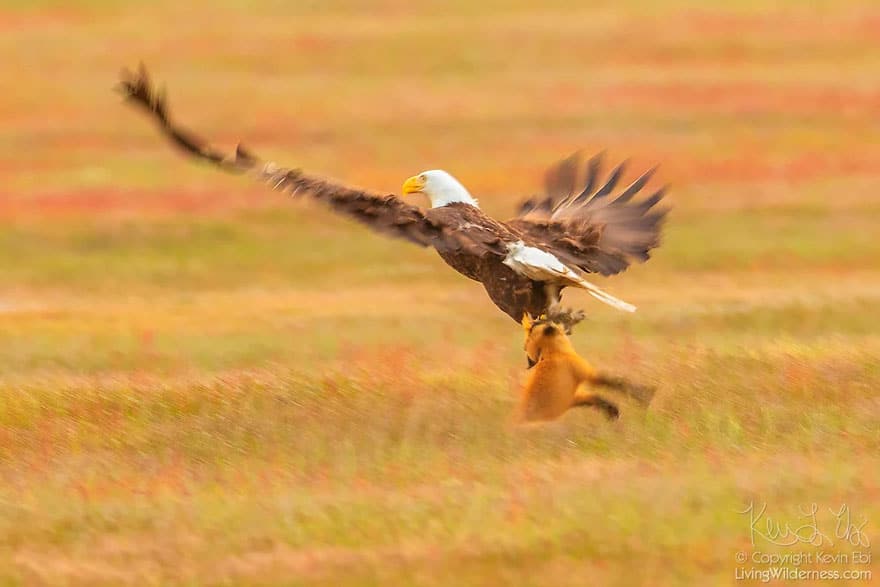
(440,187)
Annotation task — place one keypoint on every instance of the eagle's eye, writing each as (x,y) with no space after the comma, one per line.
(423,178)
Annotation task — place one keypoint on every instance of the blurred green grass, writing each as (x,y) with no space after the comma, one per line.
(202,382)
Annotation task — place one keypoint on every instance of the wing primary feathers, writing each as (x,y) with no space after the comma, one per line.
(545,205)
(565,177)
(594,168)
(386,214)
(526,207)
(599,231)
(651,201)
(244,156)
(383,213)
(613,178)
(138,90)
(635,186)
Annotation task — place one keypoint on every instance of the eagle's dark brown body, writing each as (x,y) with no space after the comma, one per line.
(514,294)
(578,226)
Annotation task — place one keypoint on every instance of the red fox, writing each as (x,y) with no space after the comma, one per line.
(558,374)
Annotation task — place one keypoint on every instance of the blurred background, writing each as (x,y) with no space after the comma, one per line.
(194,369)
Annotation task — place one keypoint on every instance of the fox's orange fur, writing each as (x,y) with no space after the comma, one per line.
(558,377)
(558,372)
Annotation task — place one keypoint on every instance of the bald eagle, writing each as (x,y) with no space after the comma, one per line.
(524,263)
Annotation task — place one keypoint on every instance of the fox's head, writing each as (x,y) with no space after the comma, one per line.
(543,336)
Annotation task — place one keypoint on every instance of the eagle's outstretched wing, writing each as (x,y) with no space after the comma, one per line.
(593,229)
(383,213)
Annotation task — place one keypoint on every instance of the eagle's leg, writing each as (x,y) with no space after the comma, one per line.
(568,317)
(551,295)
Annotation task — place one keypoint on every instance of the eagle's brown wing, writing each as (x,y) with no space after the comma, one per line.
(593,229)
(383,213)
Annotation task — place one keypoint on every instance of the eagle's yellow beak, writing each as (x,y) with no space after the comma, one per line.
(413,185)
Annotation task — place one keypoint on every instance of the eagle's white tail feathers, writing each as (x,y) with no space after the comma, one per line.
(543,266)
(604,296)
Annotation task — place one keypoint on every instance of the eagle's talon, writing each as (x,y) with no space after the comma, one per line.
(567,317)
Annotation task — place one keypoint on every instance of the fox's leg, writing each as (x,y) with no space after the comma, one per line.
(592,400)
(641,393)
(568,317)
(587,373)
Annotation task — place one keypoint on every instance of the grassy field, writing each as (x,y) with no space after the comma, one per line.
(204,382)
